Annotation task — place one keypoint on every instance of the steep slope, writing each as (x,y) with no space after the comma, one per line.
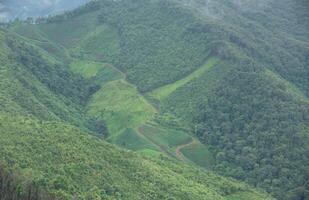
(258,130)
(256,93)
(67,163)
(33,83)
(137,49)
(44,156)
(255,115)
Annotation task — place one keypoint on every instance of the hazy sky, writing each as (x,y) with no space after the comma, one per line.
(10,9)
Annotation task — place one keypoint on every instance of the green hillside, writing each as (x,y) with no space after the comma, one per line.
(167,90)
(34,84)
(216,84)
(43,156)
(67,163)
(121,106)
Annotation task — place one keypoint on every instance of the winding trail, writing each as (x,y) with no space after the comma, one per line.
(140,130)
(178,149)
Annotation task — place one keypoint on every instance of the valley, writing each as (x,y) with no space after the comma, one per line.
(128,114)
(157,99)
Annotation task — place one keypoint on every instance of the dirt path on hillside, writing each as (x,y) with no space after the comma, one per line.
(162,148)
(178,149)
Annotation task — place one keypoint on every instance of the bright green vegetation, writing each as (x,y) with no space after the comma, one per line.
(174,142)
(87,69)
(101,73)
(243,196)
(131,139)
(167,138)
(198,154)
(186,101)
(165,91)
(66,162)
(290,87)
(121,106)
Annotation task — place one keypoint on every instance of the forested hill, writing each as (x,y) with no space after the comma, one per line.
(51,149)
(219,84)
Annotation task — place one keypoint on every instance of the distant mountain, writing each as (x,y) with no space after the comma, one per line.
(10,9)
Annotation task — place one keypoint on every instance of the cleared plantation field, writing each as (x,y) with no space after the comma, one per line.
(198,154)
(87,69)
(167,138)
(121,106)
(186,100)
(165,91)
(132,140)
(108,73)
(101,72)
(244,196)
(175,142)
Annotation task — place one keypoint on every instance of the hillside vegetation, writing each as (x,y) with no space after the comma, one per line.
(68,163)
(49,149)
(159,73)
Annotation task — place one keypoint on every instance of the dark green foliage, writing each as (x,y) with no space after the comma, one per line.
(258,131)
(32,84)
(253,107)
(162,47)
(55,76)
(11,190)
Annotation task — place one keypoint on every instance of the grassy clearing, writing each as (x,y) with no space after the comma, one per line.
(245,196)
(198,154)
(130,139)
(108,73)
(121,106)
(165,91)
(87,69)
(101,72)
(290,87)
(186,100)
(150,153)
(167,138)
